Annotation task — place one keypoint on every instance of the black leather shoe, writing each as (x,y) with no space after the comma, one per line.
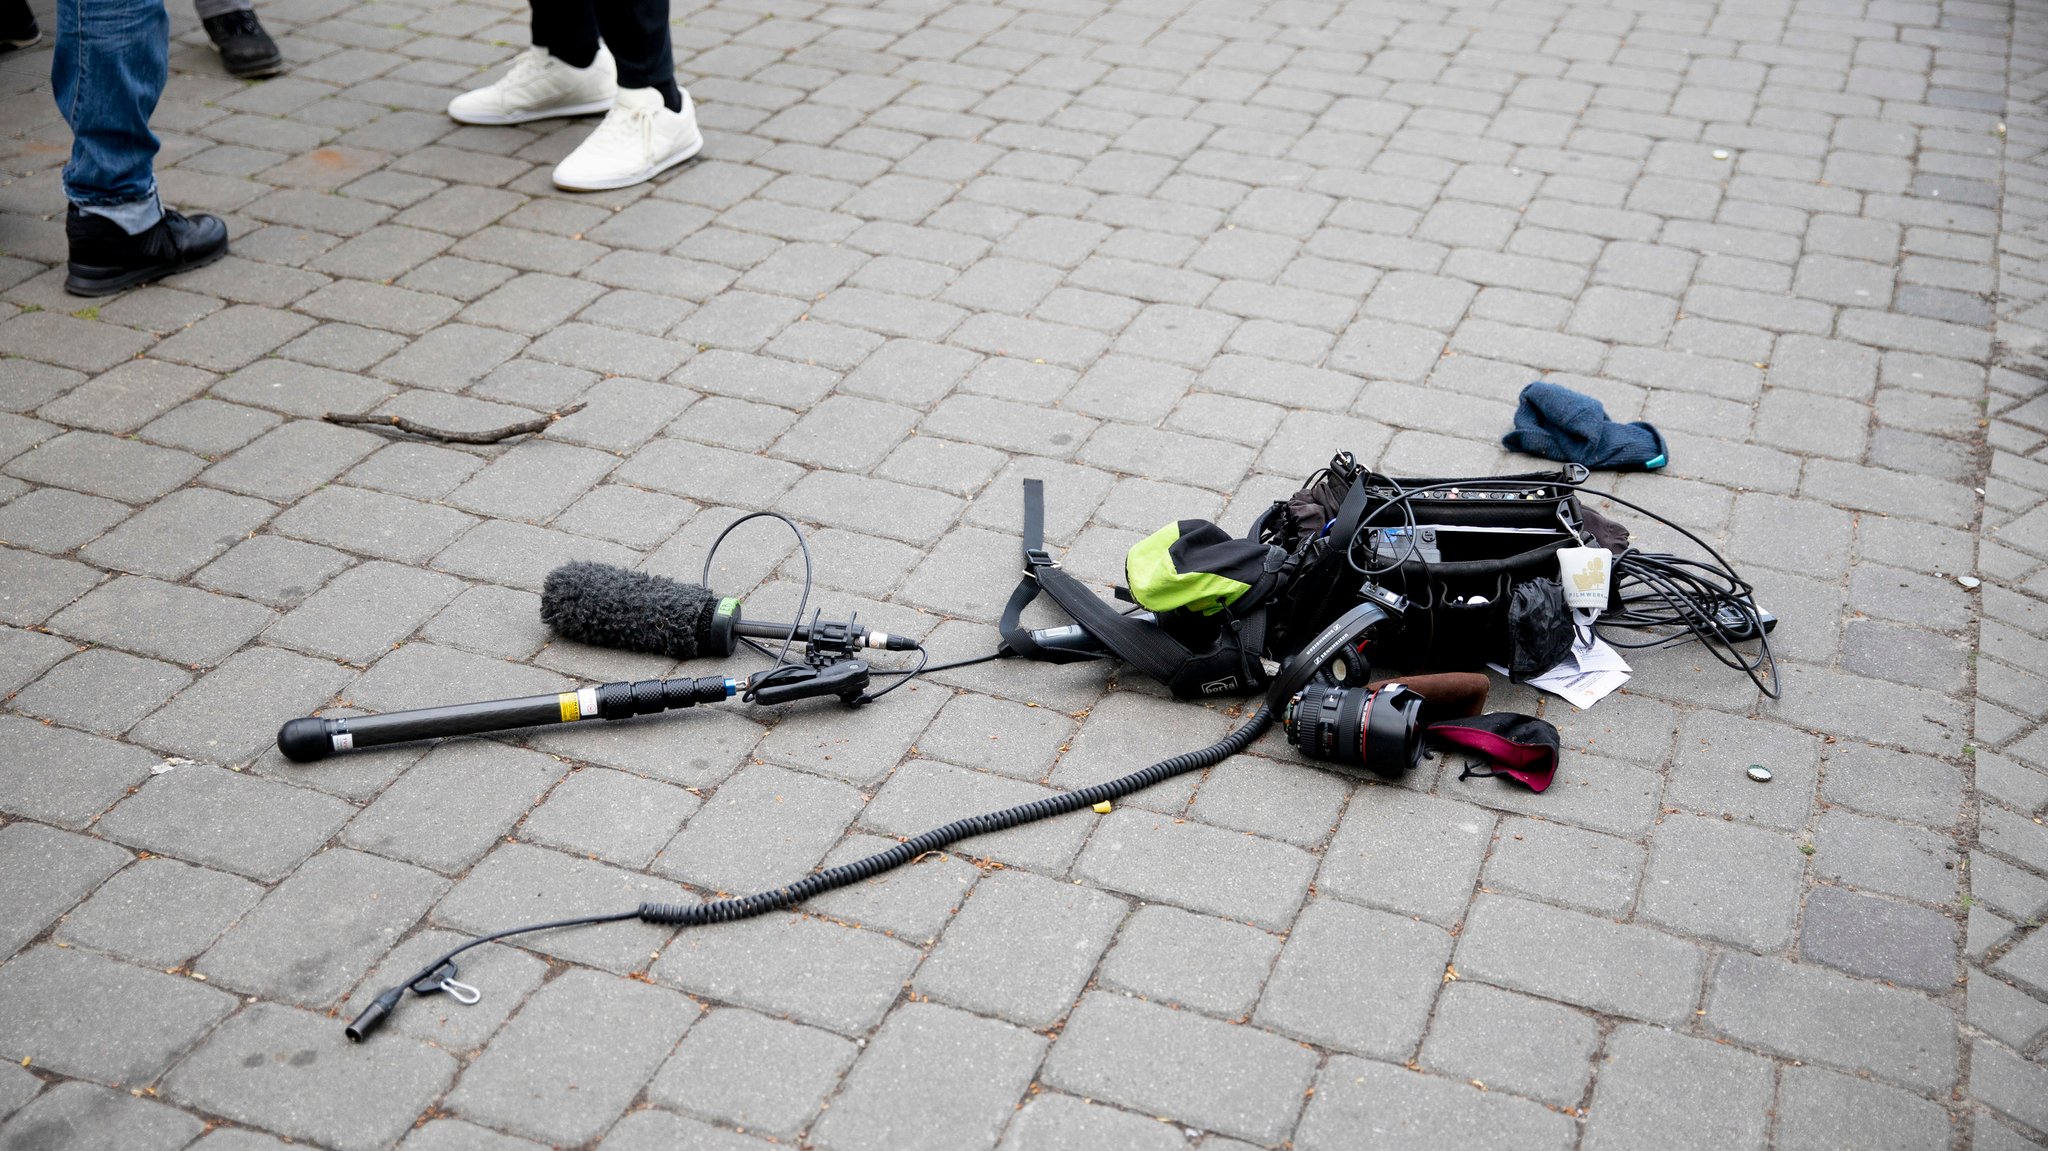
(18,26)
(246,50)
(105,259)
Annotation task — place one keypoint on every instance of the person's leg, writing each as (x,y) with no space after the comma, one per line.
(567,72)
(652,126)
(18,26)
(567,29)
(111,62)
(107,73)
(246,50)
(637,33)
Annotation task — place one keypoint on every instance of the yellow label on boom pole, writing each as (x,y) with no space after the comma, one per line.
(572,710)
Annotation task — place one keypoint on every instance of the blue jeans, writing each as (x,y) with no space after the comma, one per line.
(112,59)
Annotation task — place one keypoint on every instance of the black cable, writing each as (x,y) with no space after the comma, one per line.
(994,655)
(803,601)
(1692,594)
(923,657)
(373,1016)
(832,878)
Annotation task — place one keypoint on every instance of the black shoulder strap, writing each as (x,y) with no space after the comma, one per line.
(1015,637)
(1146,648)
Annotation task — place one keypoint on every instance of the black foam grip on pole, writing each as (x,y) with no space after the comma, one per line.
(833,878)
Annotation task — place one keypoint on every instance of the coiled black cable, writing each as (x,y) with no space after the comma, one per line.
(832,878)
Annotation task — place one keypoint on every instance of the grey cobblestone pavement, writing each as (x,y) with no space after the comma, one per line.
(1167,255)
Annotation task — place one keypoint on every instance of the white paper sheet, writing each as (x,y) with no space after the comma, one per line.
(1585,677)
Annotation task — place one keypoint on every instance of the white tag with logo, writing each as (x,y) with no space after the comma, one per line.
(1584,573)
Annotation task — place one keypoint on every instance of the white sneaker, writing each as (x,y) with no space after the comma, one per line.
(537,87)
(638,139)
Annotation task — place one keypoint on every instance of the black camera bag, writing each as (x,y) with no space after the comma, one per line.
(1488,596)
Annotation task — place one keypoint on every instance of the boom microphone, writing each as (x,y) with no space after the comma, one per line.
(614,607)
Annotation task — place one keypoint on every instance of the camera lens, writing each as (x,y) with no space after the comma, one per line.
(1377,730)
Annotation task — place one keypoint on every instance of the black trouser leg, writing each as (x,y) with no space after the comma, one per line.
(637,31)
(567,29)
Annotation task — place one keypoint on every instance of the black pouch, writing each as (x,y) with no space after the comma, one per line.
(1539,628)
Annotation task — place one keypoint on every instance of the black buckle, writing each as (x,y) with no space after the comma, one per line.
(1035,558)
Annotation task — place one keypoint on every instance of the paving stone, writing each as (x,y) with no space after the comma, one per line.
(128,396)
(618,817)
(159,912)
(840,978)
(362,613)
(24,655)
(84,1015)
(16,1088)
(518,883)
(32,587)
(53,521)
(1819,1109)
(47,872)
(1208,1074)
(320,930)
(1407,1110)
(179,533)
(1113,742)
(79,1115)
(456,1135)
(293,460)
(2005,1013)
(764,827)
(373,523)
(1051,1121)
(932,1078)
(231,714)
(718,743)
(62,776)
(2010,1084)
(1203,869)
(1675,1089)
(294,1073)
(1895,859)
(2028,962)
(209,427)
(120,469)
(1384,1021)
(753,1072)
(163,620)
(520,555)
(273,570)
(1807,1013)
(452,806)
(1581,869)
(1177,957)
(1864,935)
(1710,770)
(574,1058)
(1723,881)
(1273,799)
(813,740)
(86,345)
(1053,932)
(1510,1042)
(533,481)
(1579,959)
(232,337)
(225,819)
(1410,853)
